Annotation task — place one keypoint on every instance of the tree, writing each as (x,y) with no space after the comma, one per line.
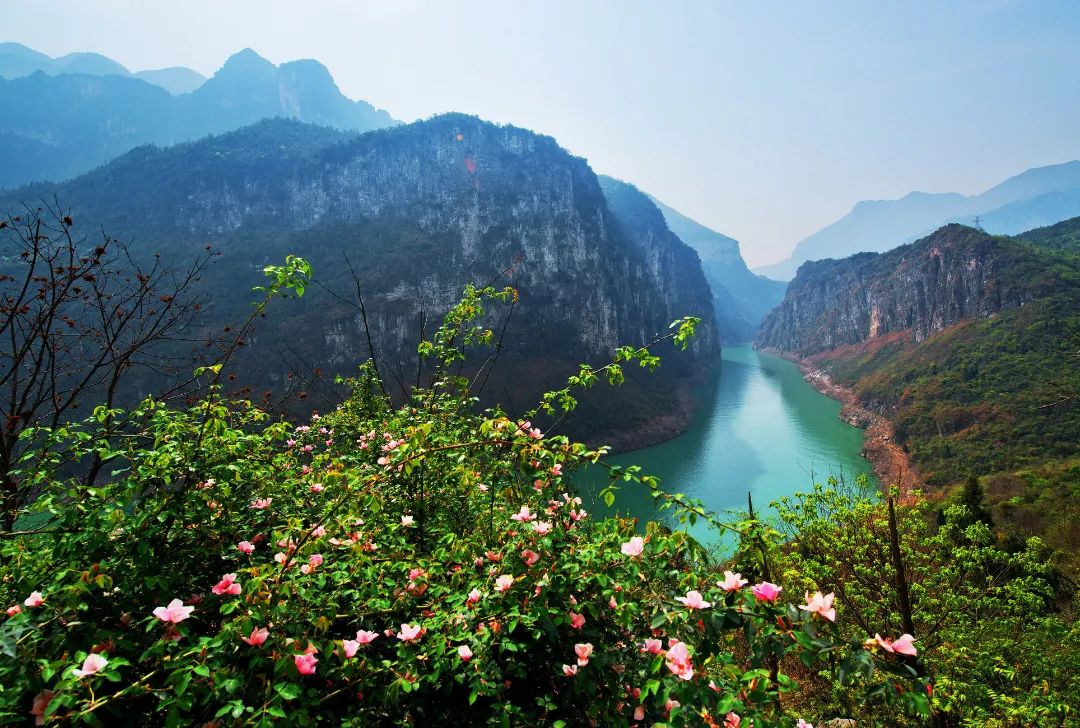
(77,320)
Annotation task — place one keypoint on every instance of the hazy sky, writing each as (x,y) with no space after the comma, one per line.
(763,120)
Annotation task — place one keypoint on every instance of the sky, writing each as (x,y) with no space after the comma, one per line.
(763,120)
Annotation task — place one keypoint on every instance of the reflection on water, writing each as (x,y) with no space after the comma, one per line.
(760,429)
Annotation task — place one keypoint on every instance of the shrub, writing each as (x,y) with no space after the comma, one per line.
(382,565)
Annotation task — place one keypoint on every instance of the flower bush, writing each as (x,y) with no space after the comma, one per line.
(387,565)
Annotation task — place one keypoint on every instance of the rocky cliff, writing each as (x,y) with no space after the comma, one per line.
(954,274)
(420,210)
(741,298)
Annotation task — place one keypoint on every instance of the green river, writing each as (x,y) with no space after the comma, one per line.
(759,429)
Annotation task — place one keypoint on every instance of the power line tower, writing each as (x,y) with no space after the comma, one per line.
(978,223)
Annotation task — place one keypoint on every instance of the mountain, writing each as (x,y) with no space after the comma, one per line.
(54,127)
(175,79)
(742,297)
(17,60)
(966,343)
(421,210)
(1025,200)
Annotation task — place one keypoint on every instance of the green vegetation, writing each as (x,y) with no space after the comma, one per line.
(390,565)
(997,397)
(999,647)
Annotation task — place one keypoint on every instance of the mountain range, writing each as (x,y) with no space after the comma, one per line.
(16,61)
(53,127)
(1037,197)
(421,210)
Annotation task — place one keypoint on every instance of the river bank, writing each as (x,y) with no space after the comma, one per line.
(890,462)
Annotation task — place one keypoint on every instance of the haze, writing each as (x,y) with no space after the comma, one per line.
(763,121)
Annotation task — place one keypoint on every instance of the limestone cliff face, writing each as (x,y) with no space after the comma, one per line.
(420,210)
(954,274)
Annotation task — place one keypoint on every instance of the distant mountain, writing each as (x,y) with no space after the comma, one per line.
(54,127)
(16,61)
(175,79)
(1020,202)
(421,210)
(742,298)
(1040,211)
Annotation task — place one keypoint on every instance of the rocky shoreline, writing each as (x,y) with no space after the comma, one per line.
(891,464)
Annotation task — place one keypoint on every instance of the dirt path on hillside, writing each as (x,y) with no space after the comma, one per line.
(891,464)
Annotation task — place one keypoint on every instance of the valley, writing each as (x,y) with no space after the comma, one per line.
(472,380)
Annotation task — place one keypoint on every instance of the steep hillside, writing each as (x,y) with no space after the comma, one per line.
(968,344)
(1038,196)
(742,298)
(924,287)
(55,126)
(420,210)
(1064,236)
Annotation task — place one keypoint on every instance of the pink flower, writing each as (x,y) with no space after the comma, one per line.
(315,560)
(350,647)
(257,637)
(633,547)
(583,651)
(41,704)
(474,597)
(576,516)
(530,557)
(732,720)
(732,582)
(227,585)
(245,547)
(364,637)
(577,621)
(556,469)
(13,610)
(569,670)
(175,613)
(523,515)
(678,660)
(261,503)
(504,582)
(820,604)
(902,646)
(639,712)
(693,600)
(766,592)
(653,646)
(318,532)
(34,600)
(93,664)
(410,632)
(542,527)
(535,433)
(803,724)
(464,653)
(305,663)
(407,521)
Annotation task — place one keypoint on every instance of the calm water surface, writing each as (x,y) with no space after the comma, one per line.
(760,429)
